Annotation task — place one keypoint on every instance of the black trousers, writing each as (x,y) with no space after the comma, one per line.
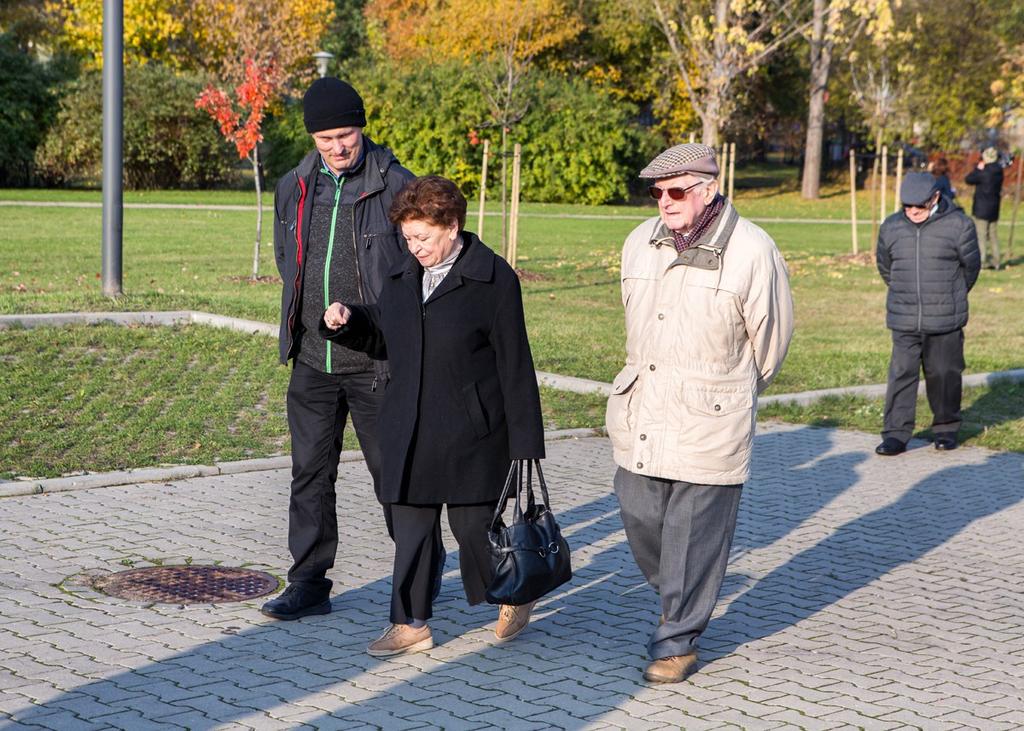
(418,545)
(942,357)
(318,406)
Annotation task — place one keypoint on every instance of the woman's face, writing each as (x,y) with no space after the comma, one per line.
(429,243)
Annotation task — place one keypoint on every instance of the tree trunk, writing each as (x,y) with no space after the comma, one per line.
(821,61)
(259,213)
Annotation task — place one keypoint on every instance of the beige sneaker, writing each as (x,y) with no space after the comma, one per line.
(671,669)
(400,639)
(512,620)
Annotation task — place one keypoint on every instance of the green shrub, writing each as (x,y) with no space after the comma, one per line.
(27,109)
(579,143)
(168,143)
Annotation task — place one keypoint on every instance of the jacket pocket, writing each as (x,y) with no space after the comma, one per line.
(475,410)
(713,400)
(619,417)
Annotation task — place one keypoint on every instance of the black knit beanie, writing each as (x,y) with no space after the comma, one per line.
(330,103)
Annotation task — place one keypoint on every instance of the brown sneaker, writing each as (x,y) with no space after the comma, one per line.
(400,639)
(671,669)
(512,620)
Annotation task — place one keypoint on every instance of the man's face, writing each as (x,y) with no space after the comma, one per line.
(680,215)
(340,147)
(919,214)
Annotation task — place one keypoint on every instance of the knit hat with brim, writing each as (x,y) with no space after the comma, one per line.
(330,103)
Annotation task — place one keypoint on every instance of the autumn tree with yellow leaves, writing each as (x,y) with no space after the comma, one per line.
(499,41)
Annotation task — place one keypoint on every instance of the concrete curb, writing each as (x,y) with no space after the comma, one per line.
(92,480)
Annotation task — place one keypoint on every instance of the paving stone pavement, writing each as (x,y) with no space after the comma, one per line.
(862,592)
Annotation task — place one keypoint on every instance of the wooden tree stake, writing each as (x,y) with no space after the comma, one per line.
(483,191)
(853,199)
(513,224)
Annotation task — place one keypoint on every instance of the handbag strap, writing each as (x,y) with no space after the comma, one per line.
(515,476)
(514,471)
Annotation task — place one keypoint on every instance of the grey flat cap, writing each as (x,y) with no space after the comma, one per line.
(917,188)
(689,158)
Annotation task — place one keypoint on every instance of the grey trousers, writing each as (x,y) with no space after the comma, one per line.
(680,534)
(988,241)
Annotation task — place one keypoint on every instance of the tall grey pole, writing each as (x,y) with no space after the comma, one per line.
(113,162)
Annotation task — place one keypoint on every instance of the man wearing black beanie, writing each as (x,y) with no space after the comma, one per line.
(333,242)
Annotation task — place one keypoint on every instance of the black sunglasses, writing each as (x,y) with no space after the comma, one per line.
(676,194)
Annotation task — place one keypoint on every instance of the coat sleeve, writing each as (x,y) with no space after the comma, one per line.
(883,257)
(968,252)
(973,177)
(362,332)
(516,374)
(280,231)
(768,314)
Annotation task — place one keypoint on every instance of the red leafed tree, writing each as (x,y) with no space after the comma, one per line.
(261,85)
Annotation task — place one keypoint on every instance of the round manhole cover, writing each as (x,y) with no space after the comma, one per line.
(187,584)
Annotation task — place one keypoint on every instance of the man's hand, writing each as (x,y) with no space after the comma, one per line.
(981,165)
(336,315)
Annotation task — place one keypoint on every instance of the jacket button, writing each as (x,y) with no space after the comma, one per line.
(643,437)
(639,465)
(653,367)
(661,315)
(718,407)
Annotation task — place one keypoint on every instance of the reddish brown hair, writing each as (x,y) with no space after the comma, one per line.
(940,166)
(430,198)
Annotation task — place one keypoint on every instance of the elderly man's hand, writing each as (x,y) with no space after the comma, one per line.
(336,315)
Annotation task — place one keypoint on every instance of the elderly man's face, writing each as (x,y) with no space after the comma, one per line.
(919,214)
(680,215)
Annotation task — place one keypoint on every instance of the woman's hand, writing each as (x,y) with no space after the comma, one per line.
(336,315)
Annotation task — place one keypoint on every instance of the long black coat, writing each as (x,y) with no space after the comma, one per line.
(988,190)
(463,398)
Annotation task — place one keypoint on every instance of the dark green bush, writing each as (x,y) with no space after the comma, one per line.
(168,143)
(27,109)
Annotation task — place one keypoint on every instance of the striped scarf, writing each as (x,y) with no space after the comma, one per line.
(684,241)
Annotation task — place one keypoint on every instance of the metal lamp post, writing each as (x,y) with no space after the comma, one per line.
(323,58)
(113,157)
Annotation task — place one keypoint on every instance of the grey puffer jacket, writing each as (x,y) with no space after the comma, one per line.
(929,269)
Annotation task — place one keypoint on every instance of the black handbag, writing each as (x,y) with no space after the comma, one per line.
(529,556)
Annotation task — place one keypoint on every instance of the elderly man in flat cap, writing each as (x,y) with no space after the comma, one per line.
(709,318)
(928,256)
(333,241)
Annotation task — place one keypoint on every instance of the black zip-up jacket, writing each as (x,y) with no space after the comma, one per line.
(378,243)
(929,268)
(989,182)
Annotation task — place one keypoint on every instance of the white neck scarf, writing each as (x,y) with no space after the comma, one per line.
(433,276)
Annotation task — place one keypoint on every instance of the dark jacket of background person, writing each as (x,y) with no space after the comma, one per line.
(988,190)
(378,243)
(929,269)
(463,398)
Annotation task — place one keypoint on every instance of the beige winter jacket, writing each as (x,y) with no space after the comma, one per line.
(703,339)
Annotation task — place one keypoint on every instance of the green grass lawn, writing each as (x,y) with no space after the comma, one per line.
(196,259)
(108,397)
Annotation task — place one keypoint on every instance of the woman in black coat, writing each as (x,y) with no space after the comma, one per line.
(462,401)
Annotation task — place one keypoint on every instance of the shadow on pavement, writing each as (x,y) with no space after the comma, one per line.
(926,516)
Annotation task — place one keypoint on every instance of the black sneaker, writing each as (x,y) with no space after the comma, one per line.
(945,442)
(298,600)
